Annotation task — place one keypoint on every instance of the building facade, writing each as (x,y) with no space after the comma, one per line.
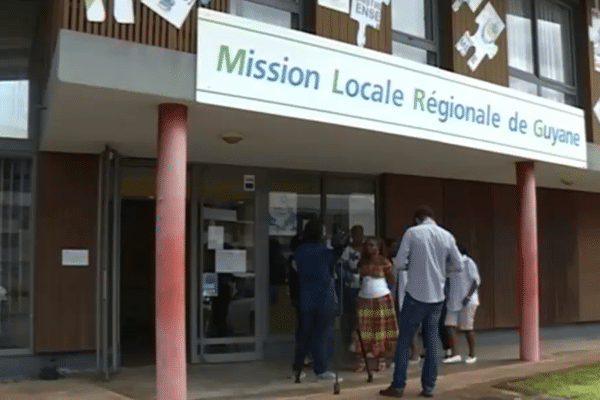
(288,118)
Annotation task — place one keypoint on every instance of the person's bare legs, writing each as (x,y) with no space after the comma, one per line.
(453,339)
(470,335)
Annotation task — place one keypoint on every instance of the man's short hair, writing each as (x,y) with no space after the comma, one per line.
(424,212)
(358,229)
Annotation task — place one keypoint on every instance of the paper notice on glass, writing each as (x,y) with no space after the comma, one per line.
(230,261)
(361,211)
(283,210)
(210,284)
(595,37)
(174,11)
(337,5)
(215,237)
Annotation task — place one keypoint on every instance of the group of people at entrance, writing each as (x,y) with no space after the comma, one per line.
(427,290)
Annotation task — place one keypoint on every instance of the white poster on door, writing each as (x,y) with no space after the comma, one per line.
(174,11)
(595,37)
(366,13)
(283,211)
(216,235)
(337,5)
(230,261)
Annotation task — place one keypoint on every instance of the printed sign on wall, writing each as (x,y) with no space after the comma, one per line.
(366,13)
(337,5)
(490,28)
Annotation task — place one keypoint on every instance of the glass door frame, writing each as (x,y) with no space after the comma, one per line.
(196,339)
(108,261)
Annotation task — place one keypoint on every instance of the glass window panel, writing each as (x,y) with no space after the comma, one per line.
(14,109)
(520,42)
(409,16)
(349,202)
(15,263)
(293,199)
(409,52)
(554,37)
(522,86)
(262,13)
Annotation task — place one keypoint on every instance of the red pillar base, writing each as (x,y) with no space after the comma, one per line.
(171,381)
(527,263)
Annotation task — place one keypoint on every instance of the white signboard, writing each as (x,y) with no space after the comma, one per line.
(174,11)
(230,261)
(14,109)
(283,211)
(263,68)
(75,258)
(337,5)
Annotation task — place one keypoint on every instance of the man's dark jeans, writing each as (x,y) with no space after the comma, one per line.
(412,315)
(314,338)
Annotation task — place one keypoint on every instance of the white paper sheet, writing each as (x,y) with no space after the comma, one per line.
(283,210)
(230,261)
(337,5)
(216,236)
(174,11)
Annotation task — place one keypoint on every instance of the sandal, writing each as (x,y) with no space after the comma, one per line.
(382,365)
(360,366)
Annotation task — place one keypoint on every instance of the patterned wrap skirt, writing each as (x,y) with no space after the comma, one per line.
(378,326)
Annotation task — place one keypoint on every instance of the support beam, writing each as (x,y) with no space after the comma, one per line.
(527,263)
(171,382)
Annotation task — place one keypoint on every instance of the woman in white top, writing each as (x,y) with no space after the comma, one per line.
(376,315)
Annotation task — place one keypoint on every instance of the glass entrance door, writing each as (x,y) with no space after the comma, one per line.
(226,264)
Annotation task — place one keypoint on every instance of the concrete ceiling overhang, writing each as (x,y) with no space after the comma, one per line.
(111,95)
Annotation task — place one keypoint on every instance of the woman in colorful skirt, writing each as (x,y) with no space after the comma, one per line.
(376,314)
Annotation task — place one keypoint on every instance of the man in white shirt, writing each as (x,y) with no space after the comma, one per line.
(462,305)
(427,252)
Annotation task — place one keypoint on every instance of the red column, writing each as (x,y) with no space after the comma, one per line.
(171,382)
(527,263)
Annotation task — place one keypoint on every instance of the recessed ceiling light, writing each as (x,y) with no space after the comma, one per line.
(231,137)
(566,183)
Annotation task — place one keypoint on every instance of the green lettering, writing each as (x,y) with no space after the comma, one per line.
(225,56)
(419,97)
(335,80)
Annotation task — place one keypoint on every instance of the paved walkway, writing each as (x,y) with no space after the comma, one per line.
(270,380)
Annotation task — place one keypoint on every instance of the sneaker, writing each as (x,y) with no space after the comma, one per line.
(452,360)
(426,394)
(471,360)
(328,376)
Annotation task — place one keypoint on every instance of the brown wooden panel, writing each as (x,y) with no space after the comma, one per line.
(401,195)
(494,70)
(591,77)
(558,257)
(338,26)
(468,214)
(149,28)
(66,218)
(504,198)
(588,238)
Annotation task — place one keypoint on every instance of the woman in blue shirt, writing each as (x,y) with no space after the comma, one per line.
(317,299)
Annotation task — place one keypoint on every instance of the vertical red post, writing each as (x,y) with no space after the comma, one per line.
(527,263)
(171,382)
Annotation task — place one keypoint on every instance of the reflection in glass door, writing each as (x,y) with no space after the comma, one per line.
(226,301)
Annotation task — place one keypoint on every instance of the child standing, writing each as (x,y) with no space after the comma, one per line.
(376,315)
